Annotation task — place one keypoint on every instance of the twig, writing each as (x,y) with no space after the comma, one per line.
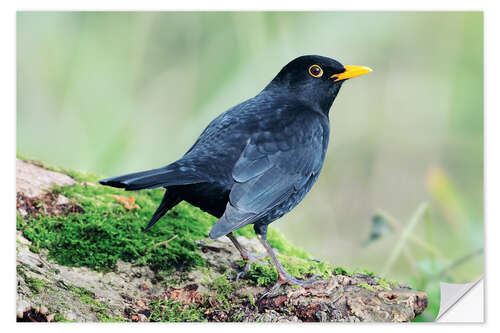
(458,262)
(167,241)
(409,257)
(396,225)
(404,236)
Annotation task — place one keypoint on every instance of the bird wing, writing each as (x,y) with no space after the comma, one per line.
(271,168)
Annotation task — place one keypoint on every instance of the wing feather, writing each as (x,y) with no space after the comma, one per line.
(265,176)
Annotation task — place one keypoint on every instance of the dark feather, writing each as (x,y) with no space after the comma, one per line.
(170,199)
(171,175)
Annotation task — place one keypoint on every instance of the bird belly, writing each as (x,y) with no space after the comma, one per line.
(209,197)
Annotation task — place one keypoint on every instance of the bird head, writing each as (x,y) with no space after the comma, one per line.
(314,80)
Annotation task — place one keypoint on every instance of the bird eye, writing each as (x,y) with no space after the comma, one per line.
(315,71)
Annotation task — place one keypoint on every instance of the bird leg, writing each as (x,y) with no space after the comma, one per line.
(245,255)
(283,276)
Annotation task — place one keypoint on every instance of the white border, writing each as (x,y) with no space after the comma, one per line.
(461,310)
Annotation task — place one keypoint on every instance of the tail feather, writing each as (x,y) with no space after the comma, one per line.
(162,177)
(169,201)
(125,181)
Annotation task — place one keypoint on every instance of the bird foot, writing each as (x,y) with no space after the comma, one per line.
(251,258)
(284,277)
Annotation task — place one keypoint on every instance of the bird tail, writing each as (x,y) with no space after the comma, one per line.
(170,175)
(170,199)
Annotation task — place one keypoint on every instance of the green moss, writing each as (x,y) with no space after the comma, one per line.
(82,293)
(36,285)
(367,272)
(386,283)
(251,299)
(262,275)
(100,310)
(106,232)
(222,286)
(237,316)
(169,311)
(33,249)
(20,222)
(367,286)
(60,318)
(222,291)
(304,268)
(342,271)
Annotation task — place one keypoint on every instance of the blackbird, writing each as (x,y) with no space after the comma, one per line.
(256,161)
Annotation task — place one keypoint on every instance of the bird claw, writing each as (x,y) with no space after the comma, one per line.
(304,283)
(284,278)
(270,291)
(244,272)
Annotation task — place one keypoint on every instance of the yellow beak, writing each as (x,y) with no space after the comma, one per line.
(350,72)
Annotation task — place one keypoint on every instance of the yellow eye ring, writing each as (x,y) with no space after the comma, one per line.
(315,71)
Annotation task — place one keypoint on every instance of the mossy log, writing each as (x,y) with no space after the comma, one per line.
(81,257)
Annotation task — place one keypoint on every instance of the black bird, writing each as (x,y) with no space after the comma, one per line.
(256,161)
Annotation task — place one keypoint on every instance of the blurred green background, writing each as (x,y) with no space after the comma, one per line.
(120,92)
